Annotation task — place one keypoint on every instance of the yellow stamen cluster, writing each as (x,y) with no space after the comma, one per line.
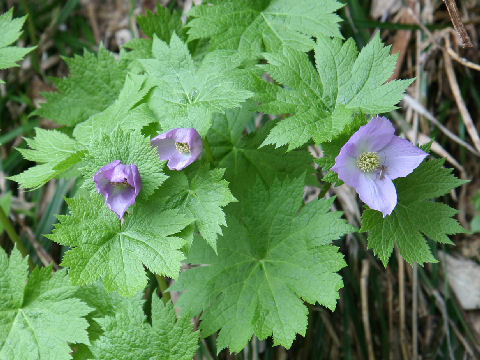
(368,161)
(182,147)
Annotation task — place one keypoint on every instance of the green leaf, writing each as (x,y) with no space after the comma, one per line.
(11,29)
(415,216)
(274,255)
(54,152)
(323,101)
(40,317)
(5,201)
(102,246)
(202,194)
(186,95)
(128,336)
(129,148)
(128,112)
(94,83)
(162,24)
(251,26)
(244,161)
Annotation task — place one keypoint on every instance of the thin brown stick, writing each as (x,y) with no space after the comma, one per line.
(330,330)
(364,299)
(457,22)
(452,79)
(44,256)
(411,102)
(462,60)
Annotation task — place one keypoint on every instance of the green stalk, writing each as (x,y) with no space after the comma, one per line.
(14,237)
(162,285)
(208,151)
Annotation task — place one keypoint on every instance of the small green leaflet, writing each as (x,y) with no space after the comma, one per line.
(101,246)
(128,112)
(11,29)
(323,102)
(129,148)
(54,151)
(273,255)
(128,336)
(162,24)
(94,83)
(186,95)
(243,160)
(202,194)
(415,216)
(250,26)
(38,318)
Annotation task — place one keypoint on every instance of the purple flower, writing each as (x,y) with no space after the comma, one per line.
(119,184)
(179,146)
(372,158)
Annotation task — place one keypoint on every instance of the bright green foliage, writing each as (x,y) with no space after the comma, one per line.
(39,318)
(186,95)
(11,29)
(243,160)
(162,24)
(129,148)
(5,201)
(102,246)
(200,195)
(94,83)
(128,112)
(273,255)
(415,216)
(322,102)
(54,152)
(250,26)
(128,336)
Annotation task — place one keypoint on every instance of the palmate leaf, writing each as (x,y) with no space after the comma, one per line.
(201,193)
(322,101)
(251,26)
(273,255)
(127,335)
(242,158)
(162,23)
(415,216)
(54,152)
(102,246)
(186,95)
(11,29)
(128,112)
(94,83)
(40,318)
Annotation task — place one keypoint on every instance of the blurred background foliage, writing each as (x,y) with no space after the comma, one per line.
(395,313)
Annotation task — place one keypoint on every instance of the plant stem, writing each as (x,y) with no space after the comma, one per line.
(208,151)
(14,237)
(162,285)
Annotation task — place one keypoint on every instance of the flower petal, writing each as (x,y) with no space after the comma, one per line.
(167,151)
(400,157)
(346,165)
(378,194)
(373,136)
(110,182)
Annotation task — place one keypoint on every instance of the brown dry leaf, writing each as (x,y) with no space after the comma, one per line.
(381,7)
(464,279)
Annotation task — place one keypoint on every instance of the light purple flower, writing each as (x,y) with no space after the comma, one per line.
(372,158)
(180,146)
(119,184)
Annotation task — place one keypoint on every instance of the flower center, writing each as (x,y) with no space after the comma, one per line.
(368,161)
(182,147)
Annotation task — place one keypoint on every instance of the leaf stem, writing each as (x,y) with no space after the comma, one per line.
(162,285)
(208,151)
(14,237)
